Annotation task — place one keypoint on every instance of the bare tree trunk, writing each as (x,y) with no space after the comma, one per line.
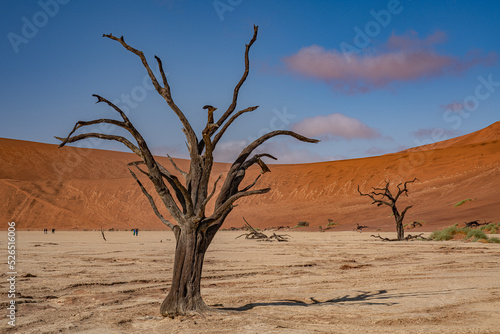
(383,196)
(184,296)
(399,226)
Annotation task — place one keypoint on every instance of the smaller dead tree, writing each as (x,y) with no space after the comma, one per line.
(383,196)
(360,227)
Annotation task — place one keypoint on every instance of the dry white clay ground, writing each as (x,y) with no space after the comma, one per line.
(333,282)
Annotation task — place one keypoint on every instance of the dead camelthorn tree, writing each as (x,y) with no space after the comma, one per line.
(186,197)
(381,196)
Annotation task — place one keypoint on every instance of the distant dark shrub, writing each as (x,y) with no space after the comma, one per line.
(302,224)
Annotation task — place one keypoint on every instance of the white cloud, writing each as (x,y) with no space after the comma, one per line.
(335,126)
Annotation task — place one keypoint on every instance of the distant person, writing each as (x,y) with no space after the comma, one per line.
(53,230)
(133,231)
(136,232)
(45,230)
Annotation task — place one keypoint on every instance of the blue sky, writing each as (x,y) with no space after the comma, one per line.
(365,77)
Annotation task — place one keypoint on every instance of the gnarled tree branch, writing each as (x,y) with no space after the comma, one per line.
(256,143)
(163,91)
(181,192)
(236,91)
(140,54)
(209,197)
(220,133)
(120,139)
(152,203)
(114,106)
(183,173)
(405,189)
(250,186)
(229,202)
(255,159)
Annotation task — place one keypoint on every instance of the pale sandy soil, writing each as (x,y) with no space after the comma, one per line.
(338,282)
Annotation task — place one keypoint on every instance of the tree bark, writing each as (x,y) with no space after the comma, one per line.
(399,226)
(184,296)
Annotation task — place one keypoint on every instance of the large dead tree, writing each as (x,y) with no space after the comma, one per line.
(383,196)
(186,197)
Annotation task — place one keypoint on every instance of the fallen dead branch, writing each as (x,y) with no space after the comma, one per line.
(407,238)
(279,237)
(475,223)
(102,232)
(254,234)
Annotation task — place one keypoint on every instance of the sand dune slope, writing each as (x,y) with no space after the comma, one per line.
(42,186)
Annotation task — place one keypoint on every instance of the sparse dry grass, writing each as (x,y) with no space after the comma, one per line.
(466,233)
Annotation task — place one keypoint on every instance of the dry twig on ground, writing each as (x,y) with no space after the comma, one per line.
(102,232)
(407,238)
(254,234)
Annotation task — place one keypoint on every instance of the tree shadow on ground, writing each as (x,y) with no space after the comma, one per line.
(379,297)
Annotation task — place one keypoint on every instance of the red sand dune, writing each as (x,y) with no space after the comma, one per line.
(492,132)
(42,186)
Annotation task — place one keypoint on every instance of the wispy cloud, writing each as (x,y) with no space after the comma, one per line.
(374,151)
(433,133)
(454,106)
(228,151)
(410,41)
(402,58)
(457,107)
(286,152)
(335,126)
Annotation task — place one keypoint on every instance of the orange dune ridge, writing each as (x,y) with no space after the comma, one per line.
(42,186)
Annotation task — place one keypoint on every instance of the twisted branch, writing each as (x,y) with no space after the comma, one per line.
(229,122)
(250,186)
(209,197)
(120,139)
(405,189)
(183,173)
(229,202)
(152,203)
(181,192)
(163,91)
(231,108)
(372,196)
